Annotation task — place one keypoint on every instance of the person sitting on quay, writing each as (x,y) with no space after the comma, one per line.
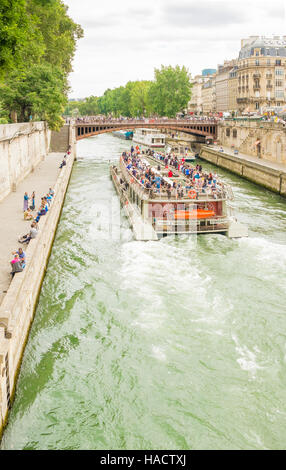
(63,162)
(49,199)
(22,256)
(29,236)
(51,192)
(16,265)
(28,214)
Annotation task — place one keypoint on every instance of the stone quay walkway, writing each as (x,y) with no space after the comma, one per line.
(244,157)
(13,224)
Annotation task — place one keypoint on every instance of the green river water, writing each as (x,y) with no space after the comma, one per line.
(176,344)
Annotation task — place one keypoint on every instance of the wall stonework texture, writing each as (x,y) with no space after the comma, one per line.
(244,135)
(270,178)
(22,147)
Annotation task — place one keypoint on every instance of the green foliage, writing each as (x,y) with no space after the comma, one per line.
(167,95)
(16,31)
(37,93)
(171,91)
(58,31)
(37,46)
(139,98)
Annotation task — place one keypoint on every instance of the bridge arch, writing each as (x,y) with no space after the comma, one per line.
(198,128)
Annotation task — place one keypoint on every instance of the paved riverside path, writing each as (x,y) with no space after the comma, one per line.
(12,220)
(249,158)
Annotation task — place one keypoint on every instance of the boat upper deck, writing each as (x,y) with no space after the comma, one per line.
(156,176)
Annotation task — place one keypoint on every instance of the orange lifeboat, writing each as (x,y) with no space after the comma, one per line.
(198,214)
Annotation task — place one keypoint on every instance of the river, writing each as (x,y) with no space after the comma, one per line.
(174,344)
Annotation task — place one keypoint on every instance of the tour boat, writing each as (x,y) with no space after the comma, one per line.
(152,138)
(158,212)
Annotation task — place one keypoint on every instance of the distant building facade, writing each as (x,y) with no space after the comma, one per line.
(209,96)
(261,73)
(255,82)
(222,86)
(196,103)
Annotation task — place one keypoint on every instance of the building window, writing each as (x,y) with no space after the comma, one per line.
(279,72)
(227,132)
(257,62)
(279,94)
(278,62)
(257,105)
(234,133)
(268,61)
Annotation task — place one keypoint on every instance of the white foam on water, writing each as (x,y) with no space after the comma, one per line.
(158,353)
(247,359)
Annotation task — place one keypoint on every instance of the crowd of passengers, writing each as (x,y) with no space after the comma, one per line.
(197,181)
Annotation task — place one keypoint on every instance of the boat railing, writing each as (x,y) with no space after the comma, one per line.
(169,225)
(151,193)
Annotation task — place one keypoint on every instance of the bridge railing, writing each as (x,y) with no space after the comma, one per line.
(142,122)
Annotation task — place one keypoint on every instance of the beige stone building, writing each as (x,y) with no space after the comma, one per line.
(232,90)
(196,103)
(222,87)
(267,141)
(209,96)
(261,74)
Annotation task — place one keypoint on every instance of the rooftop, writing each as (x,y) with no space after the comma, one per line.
(275,46)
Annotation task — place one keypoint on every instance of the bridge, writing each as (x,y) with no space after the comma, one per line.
(207,129)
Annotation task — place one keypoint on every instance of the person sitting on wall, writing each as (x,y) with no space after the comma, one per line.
(28,214)
(22,256)
(51,192)
(63,162)
(49,199)
(32,234)
(16,265)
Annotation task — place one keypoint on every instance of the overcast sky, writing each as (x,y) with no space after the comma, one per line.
(125,40)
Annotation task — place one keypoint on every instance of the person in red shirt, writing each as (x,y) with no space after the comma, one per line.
(170,174)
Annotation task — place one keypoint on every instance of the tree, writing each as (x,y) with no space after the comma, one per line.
(170,92)
(139,98)
(88,107)
(38,93)
(59,33)
(17,33)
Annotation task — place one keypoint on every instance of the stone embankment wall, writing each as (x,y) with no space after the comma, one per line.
(270,178)
(22,147)
(60,140)
(246,135)
(18,307)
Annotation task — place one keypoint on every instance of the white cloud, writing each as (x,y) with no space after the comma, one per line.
(125,41)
